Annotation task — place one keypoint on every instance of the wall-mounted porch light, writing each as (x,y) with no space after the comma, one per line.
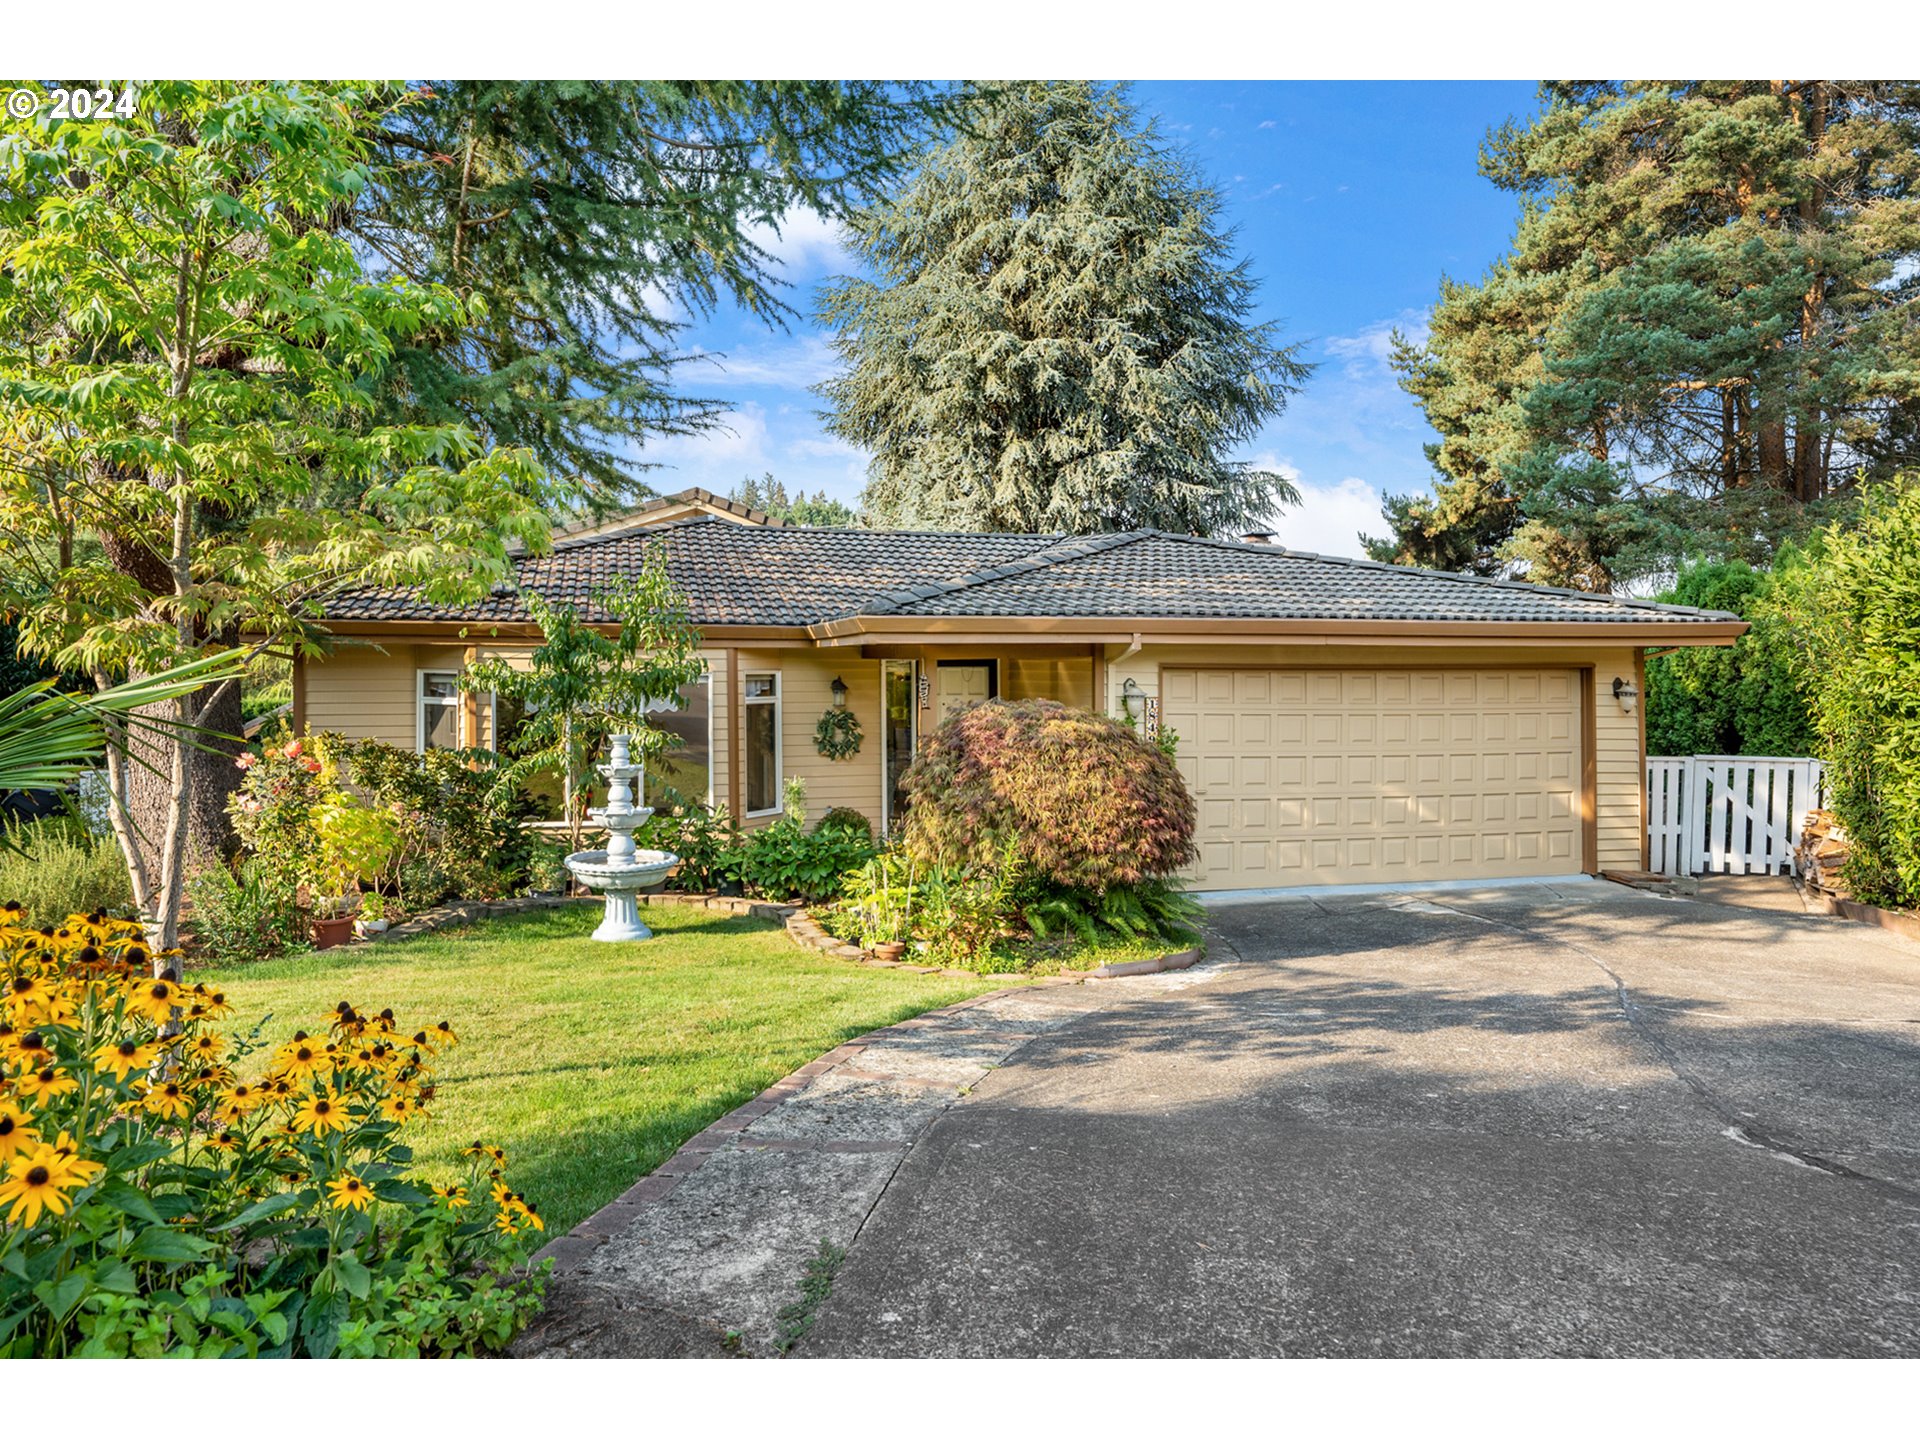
(1626,692)
(1133,698)
(840,693)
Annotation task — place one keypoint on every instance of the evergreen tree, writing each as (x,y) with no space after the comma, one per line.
(589,219)
(770,495)
(1057,337)
(1708,327)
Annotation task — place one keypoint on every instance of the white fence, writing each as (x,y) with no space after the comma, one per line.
(1728,814)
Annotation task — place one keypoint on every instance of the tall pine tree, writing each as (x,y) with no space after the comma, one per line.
(1708,326)
(1057,337)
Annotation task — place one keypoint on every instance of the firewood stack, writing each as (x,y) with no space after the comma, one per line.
(1822,851)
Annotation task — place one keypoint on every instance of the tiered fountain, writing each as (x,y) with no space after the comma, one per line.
(620,871)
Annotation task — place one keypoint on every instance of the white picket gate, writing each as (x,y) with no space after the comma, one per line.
(1728,814)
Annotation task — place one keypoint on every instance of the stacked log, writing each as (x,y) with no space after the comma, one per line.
(1822,852)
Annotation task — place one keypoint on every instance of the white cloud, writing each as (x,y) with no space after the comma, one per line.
(1330,518)
(1266,124)
(797,363)
(804,242)
(1372,345)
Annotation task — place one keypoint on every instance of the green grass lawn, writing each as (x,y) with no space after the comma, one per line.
(592,1063)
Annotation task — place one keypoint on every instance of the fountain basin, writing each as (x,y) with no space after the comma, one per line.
(620,879)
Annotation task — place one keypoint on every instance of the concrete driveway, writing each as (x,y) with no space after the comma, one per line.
(1535,1121)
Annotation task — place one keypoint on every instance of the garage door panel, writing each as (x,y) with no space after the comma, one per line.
(1346,776)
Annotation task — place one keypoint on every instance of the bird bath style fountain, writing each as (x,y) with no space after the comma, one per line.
(620,871)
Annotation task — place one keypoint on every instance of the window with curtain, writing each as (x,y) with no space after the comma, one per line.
(761,693)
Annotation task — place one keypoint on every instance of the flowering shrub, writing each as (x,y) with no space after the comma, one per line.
(274,809)
(155,1200)
(1083,802)
(460,831)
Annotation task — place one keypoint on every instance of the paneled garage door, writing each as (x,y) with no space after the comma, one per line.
(1330,777)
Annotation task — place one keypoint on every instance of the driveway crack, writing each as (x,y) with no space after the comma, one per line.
(1739,1127)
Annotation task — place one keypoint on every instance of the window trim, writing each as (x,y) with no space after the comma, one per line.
(777,702)
(420,703)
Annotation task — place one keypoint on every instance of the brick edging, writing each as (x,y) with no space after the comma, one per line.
(1858,911)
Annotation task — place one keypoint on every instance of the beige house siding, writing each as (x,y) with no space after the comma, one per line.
(1068,680)
(806,693)
(1618,765)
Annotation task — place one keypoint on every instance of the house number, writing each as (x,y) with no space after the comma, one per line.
(926,693)
(1153,717)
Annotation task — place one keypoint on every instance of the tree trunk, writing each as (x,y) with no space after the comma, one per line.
(211,779)
(1776,469)
(1809,471)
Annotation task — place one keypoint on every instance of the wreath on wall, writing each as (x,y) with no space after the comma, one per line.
(838,736)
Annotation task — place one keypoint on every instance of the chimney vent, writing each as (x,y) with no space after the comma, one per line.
(1258,537)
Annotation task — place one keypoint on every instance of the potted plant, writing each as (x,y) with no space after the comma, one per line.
(881,902)
(373,915)
(352,842)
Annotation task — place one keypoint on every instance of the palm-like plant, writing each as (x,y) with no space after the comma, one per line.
(48,736)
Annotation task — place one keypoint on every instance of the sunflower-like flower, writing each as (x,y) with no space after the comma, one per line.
(443,1035)
(480,1150)
(119,1057)
(320,1113)
(168,1100)
(37,1180)
(454,1197)
(207,1047)
(16,1133)
(224,1141)
(237,1101)
(400,1109)
(32,1050)
(153,999)
(205,1004)
(303,1058)
(44,1084)
(349,1191)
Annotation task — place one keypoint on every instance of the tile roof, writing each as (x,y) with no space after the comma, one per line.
(752,575)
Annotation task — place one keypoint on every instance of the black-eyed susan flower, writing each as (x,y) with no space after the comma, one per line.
(320,1113)
(443,1035)
(205,1004)
(207,1047)
(236,1101)
(482,1151)
(454,1197)
(168,1100)
(154,999)
(223,1140)
(303,1058)
(16,1133)
(44,1084)
(400,1109)
(34,1183)
(119,1057)
(349,1191)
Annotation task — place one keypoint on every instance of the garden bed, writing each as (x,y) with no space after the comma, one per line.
(592,1063)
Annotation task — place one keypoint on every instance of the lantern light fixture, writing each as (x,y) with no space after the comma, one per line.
(1626,692)
(839,693)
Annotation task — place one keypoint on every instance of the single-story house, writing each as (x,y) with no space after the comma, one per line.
(1337,721)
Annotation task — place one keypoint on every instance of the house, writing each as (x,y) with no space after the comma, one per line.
(1337,721)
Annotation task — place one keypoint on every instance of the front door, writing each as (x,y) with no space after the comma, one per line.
(963,685)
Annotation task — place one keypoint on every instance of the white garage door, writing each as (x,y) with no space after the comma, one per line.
(1333,777)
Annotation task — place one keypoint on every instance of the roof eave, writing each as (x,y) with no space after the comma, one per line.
(853,630)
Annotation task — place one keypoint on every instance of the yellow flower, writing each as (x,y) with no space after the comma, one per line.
(303,1058)
(154,999)
(225,1140)
(349,1191)
(400,1108)
(443,1032)
(15,1132)
(480,1150)
(45,1084)
(454,1197)
(66,1156)
(236,1101)
(321,1113)
(206,1048)
(117,1057)
(507,1223)
(35,1182)
(205,1004)
(31,1050)
(169,1101)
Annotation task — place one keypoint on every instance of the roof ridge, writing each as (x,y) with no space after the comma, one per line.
(1072,547)
(1592,596)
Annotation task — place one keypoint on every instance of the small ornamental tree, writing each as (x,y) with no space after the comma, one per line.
(1083,801)
(582,685)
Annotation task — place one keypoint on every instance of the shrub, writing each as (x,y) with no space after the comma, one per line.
(57,868)
(273,810)
(842,817)
(158,1202)
(707,842)
(1854,611)
(1078,799)
(1741,699)
(245,914)
(460,832)
(784,861)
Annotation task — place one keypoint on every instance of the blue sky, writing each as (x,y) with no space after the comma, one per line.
(1350,199)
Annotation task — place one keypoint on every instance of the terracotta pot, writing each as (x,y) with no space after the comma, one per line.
(335,931)
(892,950)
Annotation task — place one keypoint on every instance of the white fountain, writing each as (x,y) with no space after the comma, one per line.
(620,871)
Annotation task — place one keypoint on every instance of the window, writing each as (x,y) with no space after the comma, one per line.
(437,723)
(762,695)
(683,773)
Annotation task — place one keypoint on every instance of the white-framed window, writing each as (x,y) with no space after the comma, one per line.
(436,710)
(760,692)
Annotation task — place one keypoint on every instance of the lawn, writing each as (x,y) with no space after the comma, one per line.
(592,1063)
